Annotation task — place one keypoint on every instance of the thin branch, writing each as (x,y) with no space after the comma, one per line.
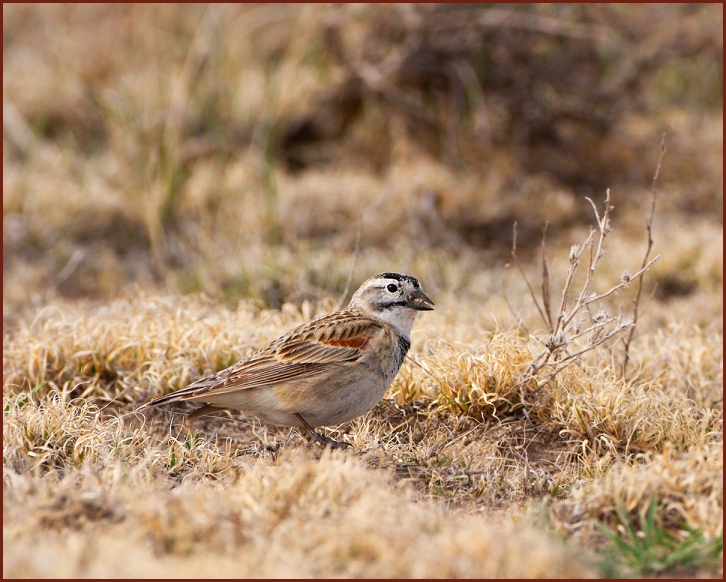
(604,227)
(575,254)
(649,231)
(619,286)
(516,262)
(546,282)
(593,328)
(569,360)
(570,338)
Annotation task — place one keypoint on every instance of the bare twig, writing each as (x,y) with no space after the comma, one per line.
(546,281)
(568,336)
(604,229)
(649,231)
(571,358)
(624,283)
(516,262)
(575,254)
(344,296)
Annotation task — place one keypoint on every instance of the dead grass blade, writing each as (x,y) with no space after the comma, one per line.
(649,246)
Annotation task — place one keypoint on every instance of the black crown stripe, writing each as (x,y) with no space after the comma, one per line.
(398,277)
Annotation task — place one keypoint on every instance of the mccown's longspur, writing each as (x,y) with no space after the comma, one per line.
(325,371)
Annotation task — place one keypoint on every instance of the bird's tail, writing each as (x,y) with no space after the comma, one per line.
(176,397)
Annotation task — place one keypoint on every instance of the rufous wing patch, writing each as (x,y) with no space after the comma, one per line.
(354,342)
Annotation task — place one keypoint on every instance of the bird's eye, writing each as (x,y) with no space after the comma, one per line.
(392,288)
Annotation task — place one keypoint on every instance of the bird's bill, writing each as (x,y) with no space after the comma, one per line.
(420,301)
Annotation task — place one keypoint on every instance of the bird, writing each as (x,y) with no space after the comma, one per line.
(324,372)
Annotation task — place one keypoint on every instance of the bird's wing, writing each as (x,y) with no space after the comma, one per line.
(306,350)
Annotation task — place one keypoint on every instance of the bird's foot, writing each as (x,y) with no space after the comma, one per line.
(325,441)
(321,439)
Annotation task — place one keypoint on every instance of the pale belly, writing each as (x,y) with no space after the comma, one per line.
(322,402)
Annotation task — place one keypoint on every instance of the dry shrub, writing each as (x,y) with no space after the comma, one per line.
(688,487)
(675,400)
(686,283)
(587,404)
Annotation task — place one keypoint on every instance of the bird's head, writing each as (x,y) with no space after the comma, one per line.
(392,298)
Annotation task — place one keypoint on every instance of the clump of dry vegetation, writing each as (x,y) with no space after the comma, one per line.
(298,516)
(182,184)
(688,489)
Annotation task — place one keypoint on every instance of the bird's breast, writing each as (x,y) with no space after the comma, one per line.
(387,359)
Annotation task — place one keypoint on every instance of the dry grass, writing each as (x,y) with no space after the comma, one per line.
(300,516)
(688,488)
(456,427)
(183,184)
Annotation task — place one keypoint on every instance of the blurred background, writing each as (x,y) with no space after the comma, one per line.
(242,150)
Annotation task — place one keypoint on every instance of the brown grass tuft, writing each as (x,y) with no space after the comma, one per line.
(603,413)
(687,487)
(481,381)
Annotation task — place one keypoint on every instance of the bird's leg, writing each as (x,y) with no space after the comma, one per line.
(321,439)
(204,410)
